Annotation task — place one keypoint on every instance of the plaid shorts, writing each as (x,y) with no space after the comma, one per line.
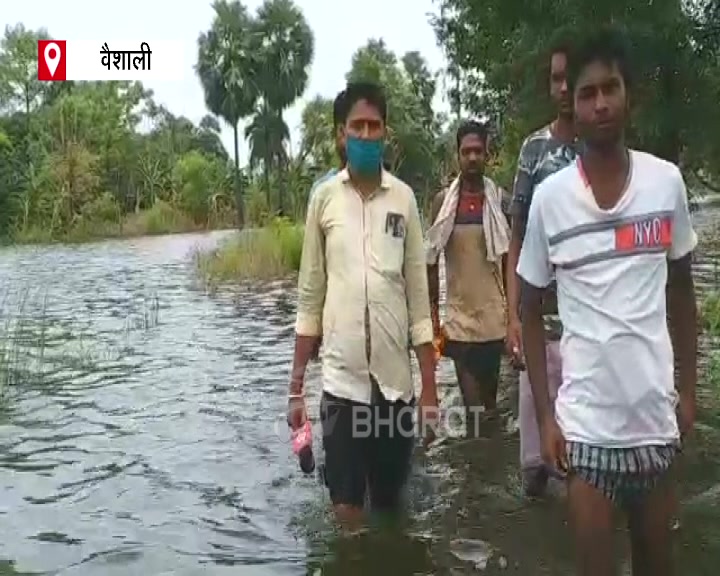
(623,475)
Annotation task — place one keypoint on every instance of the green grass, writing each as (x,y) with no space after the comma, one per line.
(710,313)
(710,320)
(162,218)
(265,253)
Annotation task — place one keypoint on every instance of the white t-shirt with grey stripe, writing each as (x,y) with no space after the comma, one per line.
(611,271)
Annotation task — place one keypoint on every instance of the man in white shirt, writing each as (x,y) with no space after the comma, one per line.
(619,235)
(339,116)
(363,288)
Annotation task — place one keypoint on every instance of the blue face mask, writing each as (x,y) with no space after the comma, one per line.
(364,156)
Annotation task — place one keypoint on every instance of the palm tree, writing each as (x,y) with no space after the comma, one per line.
(285,48)
(267,134)
(227,67)
(318,137)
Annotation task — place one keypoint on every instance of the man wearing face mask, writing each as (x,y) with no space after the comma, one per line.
(470,228)
(363,286)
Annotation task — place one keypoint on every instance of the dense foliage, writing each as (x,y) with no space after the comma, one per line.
(75,158)
(95,159)
(498,52)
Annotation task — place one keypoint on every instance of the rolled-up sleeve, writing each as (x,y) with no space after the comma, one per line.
(416,281)
(312,278)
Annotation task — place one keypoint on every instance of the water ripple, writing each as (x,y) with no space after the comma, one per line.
(142,433)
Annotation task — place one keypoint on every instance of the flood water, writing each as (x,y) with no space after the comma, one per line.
(141,433)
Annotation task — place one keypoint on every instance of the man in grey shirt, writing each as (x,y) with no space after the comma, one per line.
(544,152)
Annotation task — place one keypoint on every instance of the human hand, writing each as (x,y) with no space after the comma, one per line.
(554,452)
(428,415)
(686,414)
(513,343)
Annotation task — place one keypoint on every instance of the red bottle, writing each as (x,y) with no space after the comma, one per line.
(302,447)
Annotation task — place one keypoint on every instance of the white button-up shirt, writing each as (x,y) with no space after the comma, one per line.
(364,256)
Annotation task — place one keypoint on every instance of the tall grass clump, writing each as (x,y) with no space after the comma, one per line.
(267,253)
(161,218)
(22,341)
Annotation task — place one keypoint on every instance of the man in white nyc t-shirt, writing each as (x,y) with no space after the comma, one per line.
(612,229)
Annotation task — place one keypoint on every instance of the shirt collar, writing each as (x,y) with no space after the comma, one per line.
(384,178)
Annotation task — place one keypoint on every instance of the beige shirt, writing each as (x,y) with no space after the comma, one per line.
(364,256)
(475,301)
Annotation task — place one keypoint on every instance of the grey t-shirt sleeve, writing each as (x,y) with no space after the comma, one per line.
(524,178)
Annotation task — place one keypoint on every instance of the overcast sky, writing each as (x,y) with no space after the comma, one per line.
(340,27)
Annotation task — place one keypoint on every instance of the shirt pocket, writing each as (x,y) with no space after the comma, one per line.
(388,246)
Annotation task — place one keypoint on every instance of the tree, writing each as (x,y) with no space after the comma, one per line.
(318,135)
(82,160)
(74,161)
(500,46)
(227,66)
(256,67)
(412,126)
(285,48)
(21,90)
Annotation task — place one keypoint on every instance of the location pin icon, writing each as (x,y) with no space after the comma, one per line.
(52,57)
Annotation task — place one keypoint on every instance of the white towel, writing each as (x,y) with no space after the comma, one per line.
(495,225)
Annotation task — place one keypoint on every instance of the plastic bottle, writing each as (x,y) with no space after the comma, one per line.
(302,447)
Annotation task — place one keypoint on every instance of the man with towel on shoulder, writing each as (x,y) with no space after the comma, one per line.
(469,226)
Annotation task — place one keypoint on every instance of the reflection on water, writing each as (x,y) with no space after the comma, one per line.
(141,432)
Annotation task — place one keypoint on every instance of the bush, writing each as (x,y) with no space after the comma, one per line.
(710,317)
(104,208)
(257,210)
(162,218)
(710,313)
(713,371)
(261,253)
(198,179)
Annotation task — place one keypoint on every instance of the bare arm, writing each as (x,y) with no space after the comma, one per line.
(512,282)
(519,208)
(312,283)
(535,271)
(533,332)
(682,308)
(507,211)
